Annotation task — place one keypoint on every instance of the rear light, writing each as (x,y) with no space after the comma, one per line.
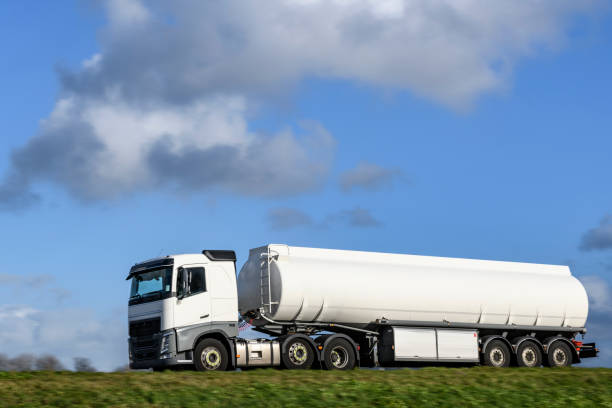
(577,344)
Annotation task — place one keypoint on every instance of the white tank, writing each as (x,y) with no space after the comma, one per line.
(357,288)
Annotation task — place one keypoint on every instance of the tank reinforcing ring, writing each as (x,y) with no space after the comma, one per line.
(211,358)
(339,357)
(298,353)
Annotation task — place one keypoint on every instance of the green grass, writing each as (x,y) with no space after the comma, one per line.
(452,387)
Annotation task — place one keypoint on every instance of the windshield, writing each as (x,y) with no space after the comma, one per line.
(155,281)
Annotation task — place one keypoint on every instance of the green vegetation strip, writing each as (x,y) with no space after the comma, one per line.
(466,387)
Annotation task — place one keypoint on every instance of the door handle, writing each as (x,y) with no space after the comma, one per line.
(205,316)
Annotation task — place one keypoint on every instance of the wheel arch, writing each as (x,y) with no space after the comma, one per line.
(488,339)
(516,343)
(284,340)
(226,341)
(551,340)
(328,338)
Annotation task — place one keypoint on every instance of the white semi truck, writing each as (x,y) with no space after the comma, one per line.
(342,309)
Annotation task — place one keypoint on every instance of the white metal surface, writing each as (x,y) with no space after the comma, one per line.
(218,303)
(414,343)
(193,309)
(457,344)
(353,287)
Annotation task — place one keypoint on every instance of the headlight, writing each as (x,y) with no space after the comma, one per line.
(165,344)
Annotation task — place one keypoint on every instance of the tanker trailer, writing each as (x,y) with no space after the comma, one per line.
(406,308)
(343,309)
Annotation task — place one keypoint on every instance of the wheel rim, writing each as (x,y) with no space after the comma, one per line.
(298,353)
(529,357)
(211,358)
(559,357)
(497,357)
(339,357)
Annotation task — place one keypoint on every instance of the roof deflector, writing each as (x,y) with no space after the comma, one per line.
(220,255)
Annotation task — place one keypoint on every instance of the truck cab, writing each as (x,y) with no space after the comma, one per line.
(175,301)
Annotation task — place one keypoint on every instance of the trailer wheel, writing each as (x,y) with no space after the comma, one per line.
(210,355)
(339,355)
(497,354)
(559,355)
(298,354)
(528,354)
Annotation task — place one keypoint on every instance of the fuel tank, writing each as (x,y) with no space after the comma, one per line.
(297,284)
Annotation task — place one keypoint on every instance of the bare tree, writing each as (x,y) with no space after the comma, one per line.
(4,363)
(49,363)
(83,364)
(23,362)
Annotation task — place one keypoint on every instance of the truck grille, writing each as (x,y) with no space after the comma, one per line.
(146,353)
(146,327)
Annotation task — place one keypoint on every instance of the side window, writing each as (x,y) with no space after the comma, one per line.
(196,280)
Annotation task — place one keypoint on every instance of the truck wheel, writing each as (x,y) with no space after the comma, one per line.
(298,354)
(528,354)
(497,354)
(559,355)
(339,355)
(210,355)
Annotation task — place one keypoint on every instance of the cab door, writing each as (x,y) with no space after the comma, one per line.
(193,297)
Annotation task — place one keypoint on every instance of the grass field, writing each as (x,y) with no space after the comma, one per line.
(478,386)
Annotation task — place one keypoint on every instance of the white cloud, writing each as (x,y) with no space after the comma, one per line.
(598,291)
(127,12)
(600,319)
(180,80)
(38,286)
(64,333)
(284,218)
(598,238)
(287,218)
(369,176)
(448,51)
(103,148)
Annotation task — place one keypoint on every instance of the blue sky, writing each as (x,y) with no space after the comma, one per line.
(406,135)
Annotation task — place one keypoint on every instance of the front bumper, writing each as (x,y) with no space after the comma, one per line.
(155,351)
(159,363)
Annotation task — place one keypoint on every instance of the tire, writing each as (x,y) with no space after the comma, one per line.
(298,354)
(339,355)
(559,355)
(210,355)
(497,354)
(528,354)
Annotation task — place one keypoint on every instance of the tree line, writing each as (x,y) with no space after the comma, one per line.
(46,362)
